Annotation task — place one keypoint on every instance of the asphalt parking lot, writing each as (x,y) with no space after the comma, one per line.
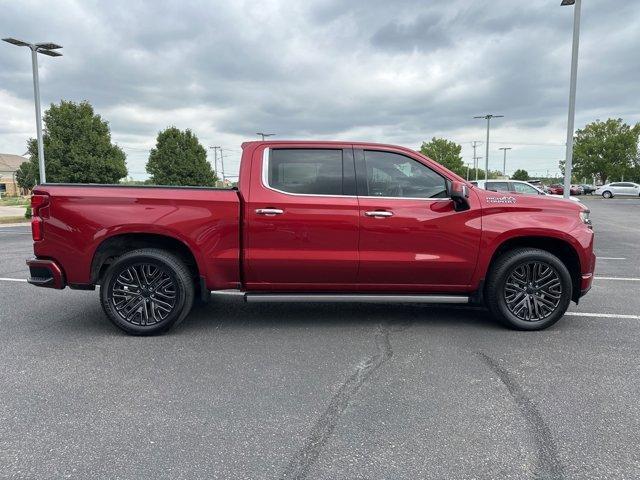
(324,391)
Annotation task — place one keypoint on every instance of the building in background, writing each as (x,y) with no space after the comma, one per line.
(9,164)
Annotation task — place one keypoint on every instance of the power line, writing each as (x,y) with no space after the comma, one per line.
(215,153)
(475,158)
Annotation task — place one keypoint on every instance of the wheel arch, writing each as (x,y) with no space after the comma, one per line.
(113,247)
(556,246)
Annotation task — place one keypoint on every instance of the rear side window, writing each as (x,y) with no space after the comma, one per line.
(394,175)
(498,186)
(308,171)
(524,188)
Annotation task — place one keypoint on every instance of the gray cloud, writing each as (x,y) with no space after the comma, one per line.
(399,71)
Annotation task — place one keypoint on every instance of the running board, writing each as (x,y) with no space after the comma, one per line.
(336,297)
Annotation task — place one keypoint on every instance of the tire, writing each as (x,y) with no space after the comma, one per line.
(607,194)
(516,302)
(147,291)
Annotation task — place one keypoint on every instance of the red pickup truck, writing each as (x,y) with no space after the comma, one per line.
(314,222)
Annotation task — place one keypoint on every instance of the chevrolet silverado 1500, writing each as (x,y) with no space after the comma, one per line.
(314,222)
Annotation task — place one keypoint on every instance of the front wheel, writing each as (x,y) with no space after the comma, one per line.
(147,291)
(528,289)
(607,194)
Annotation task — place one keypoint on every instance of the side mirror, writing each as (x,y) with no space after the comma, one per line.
(460,196)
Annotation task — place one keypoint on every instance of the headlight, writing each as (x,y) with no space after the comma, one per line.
(584,216)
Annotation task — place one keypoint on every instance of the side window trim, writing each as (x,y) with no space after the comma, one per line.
(362,189)
(346,156)
(349,188)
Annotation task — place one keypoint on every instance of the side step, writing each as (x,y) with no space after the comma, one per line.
(337,297)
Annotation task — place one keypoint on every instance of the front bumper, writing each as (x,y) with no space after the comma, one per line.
(585,283)
(45,273)
(586,279)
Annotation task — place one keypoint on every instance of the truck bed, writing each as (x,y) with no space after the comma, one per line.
(80,218)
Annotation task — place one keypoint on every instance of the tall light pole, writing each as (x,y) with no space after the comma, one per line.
(45,49)
(568,165)
(488,117)
(504,160)
(263,135)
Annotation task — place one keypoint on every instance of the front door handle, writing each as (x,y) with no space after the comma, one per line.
(269,211)
(379,213)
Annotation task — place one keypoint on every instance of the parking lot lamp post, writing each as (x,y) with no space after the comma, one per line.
(45,49)
(572,93)
(264,135)
(504,160)
(488,117)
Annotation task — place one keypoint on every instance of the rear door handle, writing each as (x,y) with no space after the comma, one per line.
(269,211)
(379,213)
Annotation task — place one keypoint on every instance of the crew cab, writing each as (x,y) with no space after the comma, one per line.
(314,222)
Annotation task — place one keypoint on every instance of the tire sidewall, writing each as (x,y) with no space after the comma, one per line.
(607,194)
(503,272)
(125,262)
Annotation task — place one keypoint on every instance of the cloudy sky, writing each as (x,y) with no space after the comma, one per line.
(397,71)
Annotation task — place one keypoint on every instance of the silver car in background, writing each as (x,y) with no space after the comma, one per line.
(619,188)
(515,186)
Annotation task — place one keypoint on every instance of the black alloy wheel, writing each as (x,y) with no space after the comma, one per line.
(533,291)
(147,291)
(144,294)
(528,288)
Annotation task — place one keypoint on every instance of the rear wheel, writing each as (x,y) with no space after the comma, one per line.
(528,289)
(147,291)
(607,194)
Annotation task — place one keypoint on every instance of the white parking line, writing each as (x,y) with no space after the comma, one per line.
(570,314)
(620,279)
(611,258)
(602,315)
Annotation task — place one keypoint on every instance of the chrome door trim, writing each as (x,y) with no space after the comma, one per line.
(265,180)
(265,184)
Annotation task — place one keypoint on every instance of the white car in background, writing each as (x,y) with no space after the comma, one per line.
(515,186)
(619,188)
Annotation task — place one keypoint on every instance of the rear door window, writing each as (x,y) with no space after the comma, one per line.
(311,171)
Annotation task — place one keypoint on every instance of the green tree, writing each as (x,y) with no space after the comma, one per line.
(607,149)
(78,147)
(26,175)
(520,174)
(179,159)
(446,153)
